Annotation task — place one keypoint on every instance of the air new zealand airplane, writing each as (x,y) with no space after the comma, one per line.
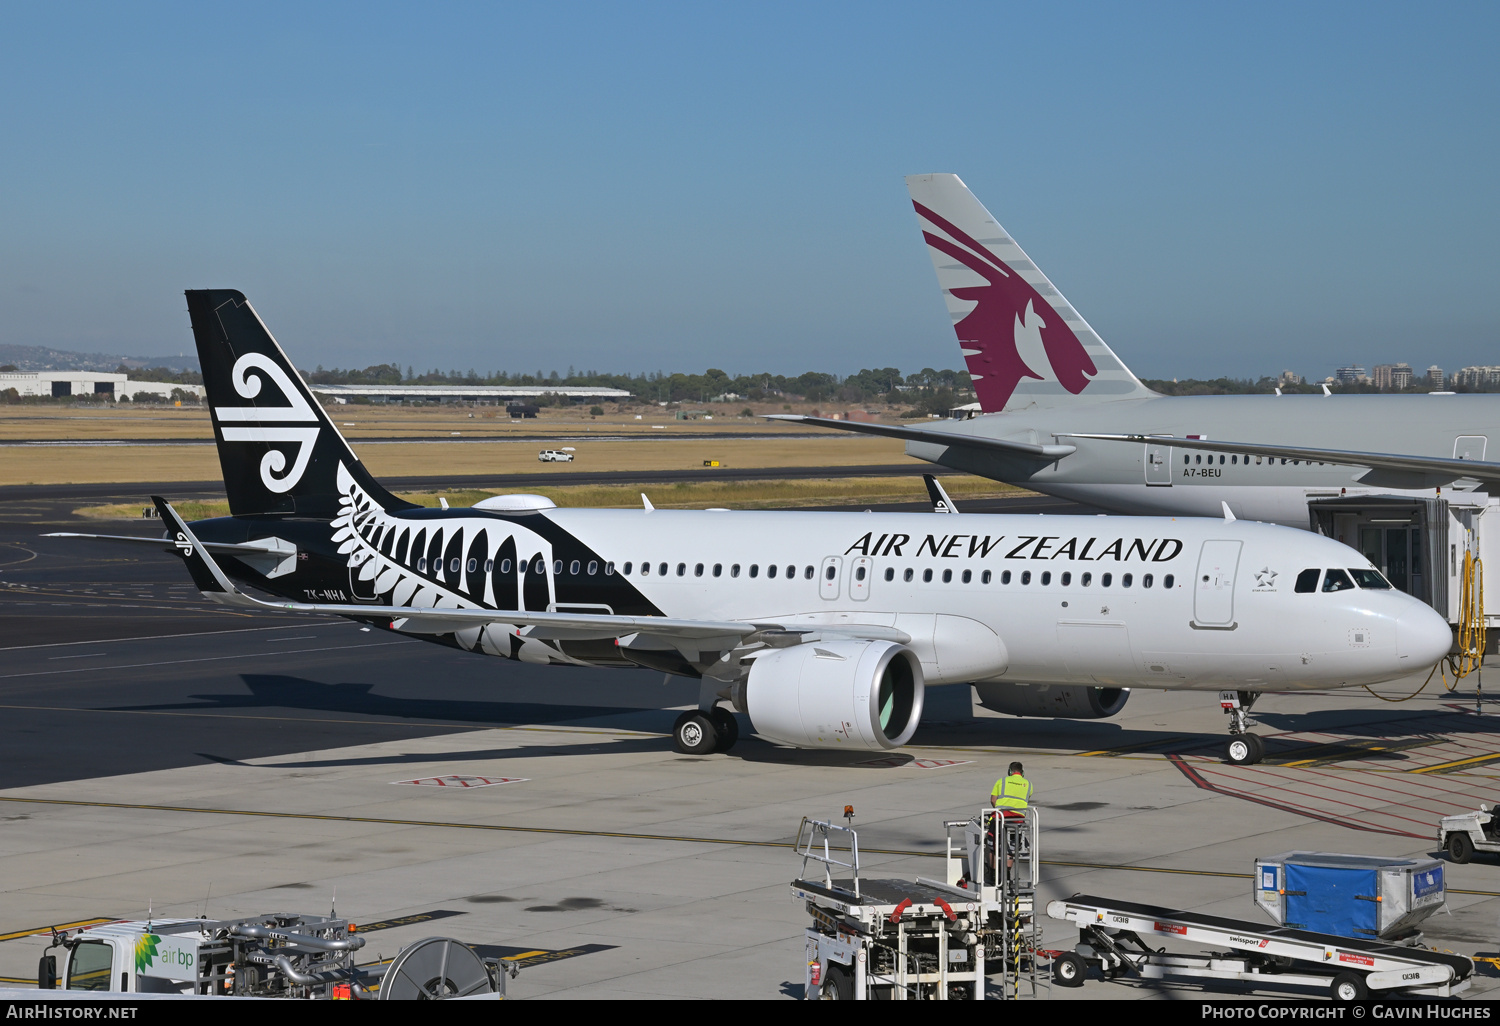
(825,628)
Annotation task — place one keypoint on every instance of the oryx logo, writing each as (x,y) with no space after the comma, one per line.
(1012,332)
(275,423)
(183,545)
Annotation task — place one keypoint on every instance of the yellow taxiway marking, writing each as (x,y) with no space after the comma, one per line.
(1445,767)
(576,832)
(45,930)
(524,954)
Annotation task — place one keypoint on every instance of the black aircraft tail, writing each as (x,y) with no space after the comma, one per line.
(279,451)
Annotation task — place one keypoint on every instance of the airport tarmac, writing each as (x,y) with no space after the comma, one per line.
(160,754)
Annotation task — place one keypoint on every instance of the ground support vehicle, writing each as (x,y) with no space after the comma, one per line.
(923,939)
(270,956)
(1462,835)
(1113,937)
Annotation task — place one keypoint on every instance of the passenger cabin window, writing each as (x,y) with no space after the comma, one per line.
(1025,576)
(1046,576)
(681,569)
(1067,579)
(453,565)
(1105,579)
(808,573)
(505,566)
(734,571)
(831,573)
(422,565)
(791,573)
(1369,579)
(1126,580)
(626,569)
(1146,581)
(947,576)
(1005,577)
(771,570)
(1166,582)
(473,565)
(1307,581)
(718,569)
(984,578)
(890,573)
(573,567)
(556,565)
(697,569)
(593,567)
(968,576)
(859,573)
(926,576)
(661,569)
(1087,580)
(489,566)
(907,575)
(645,569)
(754,569)
(1337,580)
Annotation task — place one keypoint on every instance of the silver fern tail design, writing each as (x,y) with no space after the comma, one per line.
(474,562)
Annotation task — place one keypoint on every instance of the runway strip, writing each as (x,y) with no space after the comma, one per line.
(621,835)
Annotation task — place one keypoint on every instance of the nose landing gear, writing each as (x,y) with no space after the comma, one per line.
(1242,748)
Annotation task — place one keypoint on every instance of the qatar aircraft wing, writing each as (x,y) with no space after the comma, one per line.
(1392,470)
(1005,446)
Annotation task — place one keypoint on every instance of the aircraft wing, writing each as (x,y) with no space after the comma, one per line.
(1045,453)
(1389,470)
(212,581)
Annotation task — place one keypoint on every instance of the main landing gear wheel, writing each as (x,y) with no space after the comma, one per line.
(725,726)
(694,734)
(1244,749)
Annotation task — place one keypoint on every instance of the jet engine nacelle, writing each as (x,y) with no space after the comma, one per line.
(837,694)
(1066,702)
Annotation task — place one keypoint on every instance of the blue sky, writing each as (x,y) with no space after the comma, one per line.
(1219,188)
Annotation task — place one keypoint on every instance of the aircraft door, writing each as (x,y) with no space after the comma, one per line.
(828,576)
(860,572)
(1213,597)
(1469,447)
(1158,463)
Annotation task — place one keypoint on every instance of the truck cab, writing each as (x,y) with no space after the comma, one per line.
(132,957)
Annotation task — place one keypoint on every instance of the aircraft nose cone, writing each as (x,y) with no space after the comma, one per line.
(1422,636)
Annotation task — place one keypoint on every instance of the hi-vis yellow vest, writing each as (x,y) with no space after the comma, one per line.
(1012,792)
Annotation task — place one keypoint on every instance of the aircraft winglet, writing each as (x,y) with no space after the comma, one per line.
(941,503)
(210,580)
(1229,516)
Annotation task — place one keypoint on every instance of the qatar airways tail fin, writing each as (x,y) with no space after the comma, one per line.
(1025,345)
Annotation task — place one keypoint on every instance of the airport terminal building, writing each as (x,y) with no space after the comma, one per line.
(58,384)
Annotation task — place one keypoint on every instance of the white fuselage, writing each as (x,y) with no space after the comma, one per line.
(1118,601)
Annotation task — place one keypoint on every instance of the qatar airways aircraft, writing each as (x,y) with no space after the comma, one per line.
(824,627)
(1062,414)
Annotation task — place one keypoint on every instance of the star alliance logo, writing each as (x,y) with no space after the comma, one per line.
(1265,577)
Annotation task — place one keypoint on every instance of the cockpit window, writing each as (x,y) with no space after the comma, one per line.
(1369,579)
(1337,580)
(1307,580)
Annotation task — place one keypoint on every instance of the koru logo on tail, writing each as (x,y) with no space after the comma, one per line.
(296,423)
(185,546)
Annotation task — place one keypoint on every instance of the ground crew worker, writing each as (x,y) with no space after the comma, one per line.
(1013,791)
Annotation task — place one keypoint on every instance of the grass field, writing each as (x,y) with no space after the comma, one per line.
(166,463)
(768,494)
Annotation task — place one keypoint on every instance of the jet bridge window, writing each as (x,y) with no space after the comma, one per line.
(1369,579)
(1307,581)
(1337,580)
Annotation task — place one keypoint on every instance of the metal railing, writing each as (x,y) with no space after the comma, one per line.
(812,832)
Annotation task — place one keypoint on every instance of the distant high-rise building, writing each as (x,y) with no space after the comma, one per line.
(1477,377)
(1288,378)
(1435,376)
(1350,374)
(1381,374)
(1402,375)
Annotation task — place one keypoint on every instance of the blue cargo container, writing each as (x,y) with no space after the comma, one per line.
(1362,896)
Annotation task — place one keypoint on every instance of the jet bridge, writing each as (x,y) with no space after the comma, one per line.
(1433,548)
